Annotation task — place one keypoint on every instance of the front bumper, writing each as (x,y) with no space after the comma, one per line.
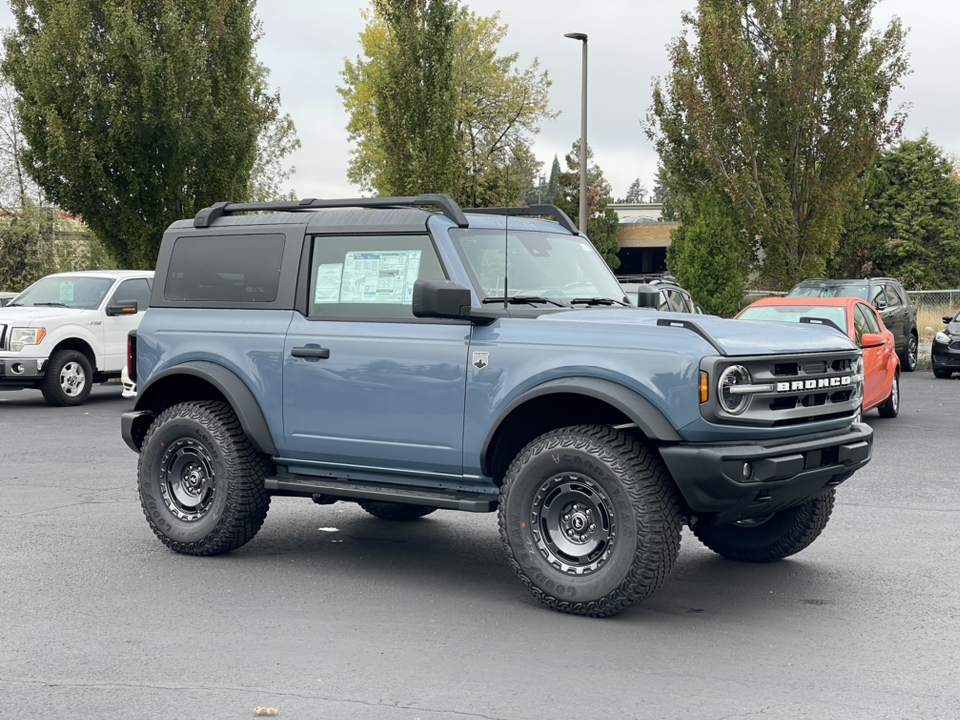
(783,473)
(21,370)
(943,355)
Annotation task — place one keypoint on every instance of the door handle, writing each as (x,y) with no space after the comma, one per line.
(311,352)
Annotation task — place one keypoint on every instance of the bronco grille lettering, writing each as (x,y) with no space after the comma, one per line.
(818,384)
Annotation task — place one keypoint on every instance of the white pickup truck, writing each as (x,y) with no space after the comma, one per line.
(69,330)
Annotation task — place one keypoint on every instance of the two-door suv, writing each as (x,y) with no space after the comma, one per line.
(409,359)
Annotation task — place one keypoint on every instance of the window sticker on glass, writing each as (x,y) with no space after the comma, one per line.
(66,291)
(327,289)
(379,276)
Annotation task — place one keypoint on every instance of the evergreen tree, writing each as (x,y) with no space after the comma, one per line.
(553,185)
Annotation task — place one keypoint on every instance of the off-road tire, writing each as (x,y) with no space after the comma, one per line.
(396,511)
(783,534)
(623,481)
(891,406)
(202,441)
(942,373)
(908,361)
(67,379)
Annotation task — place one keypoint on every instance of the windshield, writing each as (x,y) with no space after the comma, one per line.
(794,313)
(547,265)
(830,291)
(82,293)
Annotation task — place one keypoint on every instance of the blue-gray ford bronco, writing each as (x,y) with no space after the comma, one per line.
(408,355)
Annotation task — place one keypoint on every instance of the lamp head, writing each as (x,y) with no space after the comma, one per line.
(577,36)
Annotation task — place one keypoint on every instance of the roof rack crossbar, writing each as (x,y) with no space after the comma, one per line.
(444,203)
(549,210)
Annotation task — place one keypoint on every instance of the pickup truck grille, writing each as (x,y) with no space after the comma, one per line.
(3,337)
(790,389)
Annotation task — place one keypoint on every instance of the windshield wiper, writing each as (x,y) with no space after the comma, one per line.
(50,304)
(598,301)
(522,300)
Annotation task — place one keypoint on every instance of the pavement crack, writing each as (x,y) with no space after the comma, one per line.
(252,691)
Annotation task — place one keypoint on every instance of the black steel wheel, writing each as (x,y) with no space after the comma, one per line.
(67,379)
(891,406)
(396,511)
(908,361)
(771,537)
(590,520)
(201,481)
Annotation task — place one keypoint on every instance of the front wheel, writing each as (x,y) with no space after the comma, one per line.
(68,378)
(770,538)
(909,358)
(590,520)
(201,481)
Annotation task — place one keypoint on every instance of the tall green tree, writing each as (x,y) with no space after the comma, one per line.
(706,255)
(136,112)
(27,250)
(496,110)
(602,220)
(276,140)
(635,193)
(779,105)
(908,223)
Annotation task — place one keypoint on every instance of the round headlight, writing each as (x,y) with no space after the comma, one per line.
(731,401)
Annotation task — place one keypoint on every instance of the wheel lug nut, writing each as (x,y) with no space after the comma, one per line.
(589,513)
(582,538)
(593,527)
(566,517)
(576,507)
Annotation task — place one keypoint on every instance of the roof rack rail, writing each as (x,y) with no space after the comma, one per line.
(445,204)
(551,210)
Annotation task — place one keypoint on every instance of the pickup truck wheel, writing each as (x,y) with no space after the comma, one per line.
(396,511)
(908,361)
(201,481)
(590,520)
(68,378)
(891,407)
(769,538)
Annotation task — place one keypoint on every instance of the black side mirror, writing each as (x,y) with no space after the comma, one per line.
(648,296)
(947,319)
(127,308)
(880,303)
(441,299)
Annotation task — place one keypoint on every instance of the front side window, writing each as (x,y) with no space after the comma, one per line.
(893,299)
(369,277)
(539,264)
(871,319)
(71,291)
(225,268)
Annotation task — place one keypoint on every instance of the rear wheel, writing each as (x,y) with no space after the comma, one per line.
(201,481)
(396,511)
(770,538)
(909,358)
(590,520)
(891,408)
(68,378)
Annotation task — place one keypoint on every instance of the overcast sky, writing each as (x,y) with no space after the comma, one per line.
(305,43)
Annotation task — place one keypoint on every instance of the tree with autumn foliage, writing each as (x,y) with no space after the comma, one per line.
(778,105)
(491,107)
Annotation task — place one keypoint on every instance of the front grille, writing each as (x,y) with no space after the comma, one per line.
(3,337)
(790,390)
(955,345)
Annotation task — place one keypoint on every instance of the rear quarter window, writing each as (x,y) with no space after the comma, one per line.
(224,268)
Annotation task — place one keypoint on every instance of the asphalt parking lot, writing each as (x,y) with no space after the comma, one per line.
(330,613)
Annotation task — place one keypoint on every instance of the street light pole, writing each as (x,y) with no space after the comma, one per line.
(582,37)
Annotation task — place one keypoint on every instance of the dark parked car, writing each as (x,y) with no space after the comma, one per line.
(887,295)
(945,353)
(659,291)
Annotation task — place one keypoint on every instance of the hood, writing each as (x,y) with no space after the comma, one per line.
(953,328)
(22,316)
(735,337)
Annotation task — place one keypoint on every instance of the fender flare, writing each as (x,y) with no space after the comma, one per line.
(651,421)
(236,392)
